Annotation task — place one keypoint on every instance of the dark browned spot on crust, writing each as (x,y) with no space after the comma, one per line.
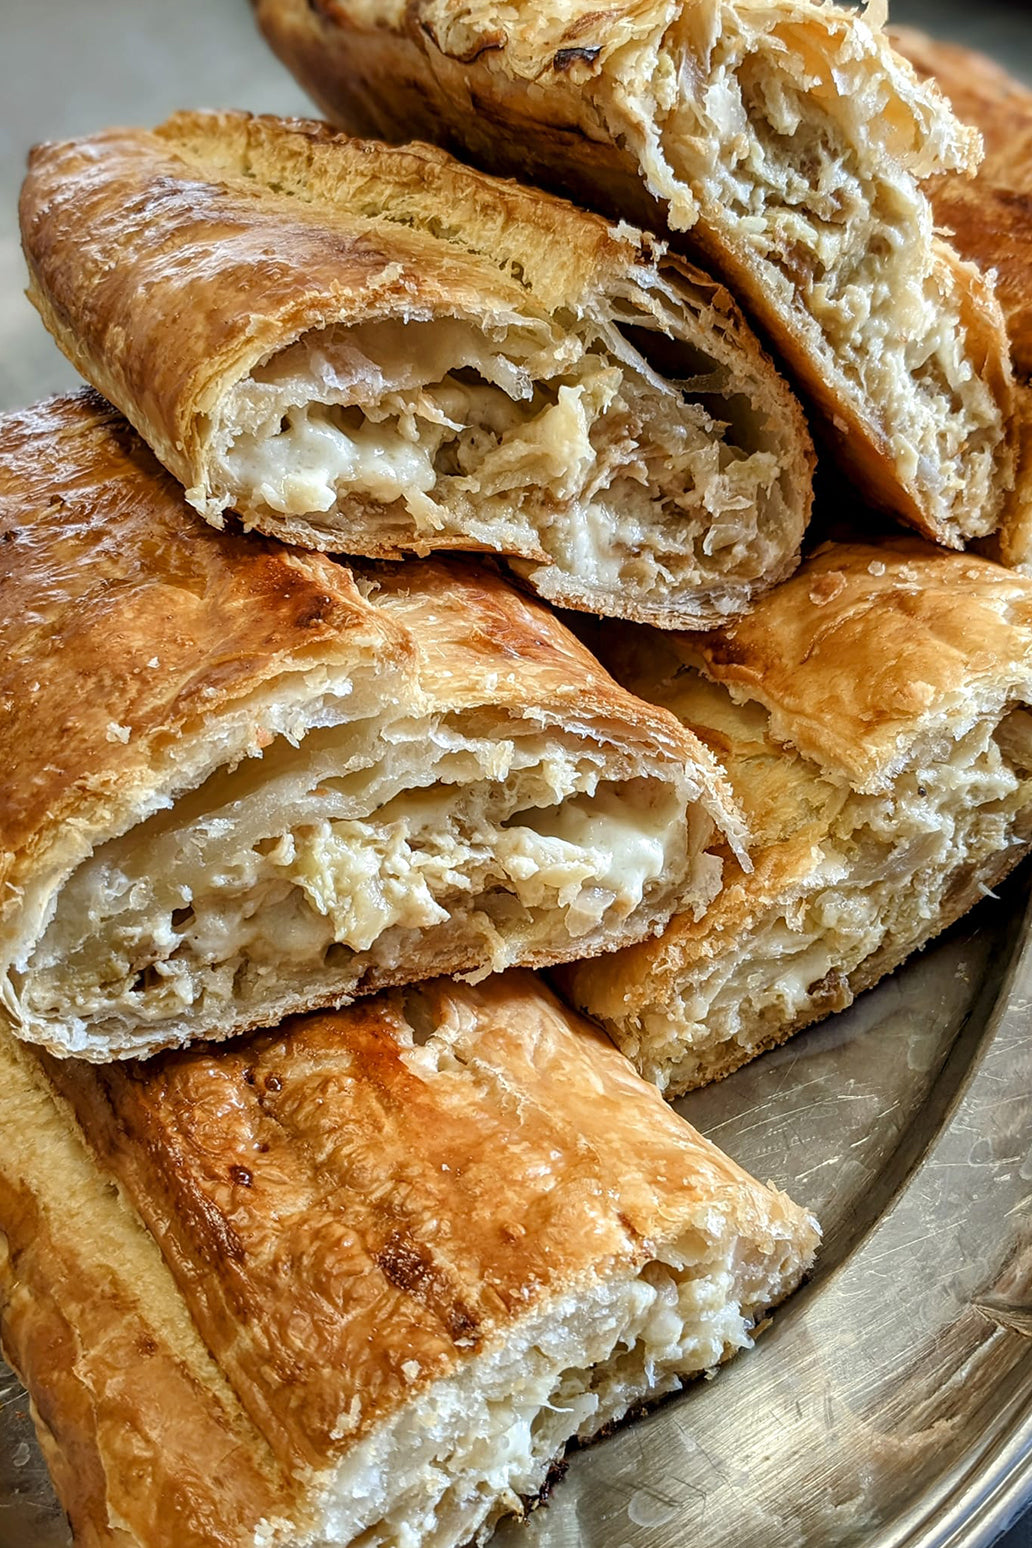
(566,57)
(831,991)
(241,1175)
(629,1227)
(316,611)
(493,43)
(724,649)
(409,1267)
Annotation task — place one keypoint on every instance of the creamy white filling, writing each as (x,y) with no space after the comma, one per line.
(581,456)
(480,1444)
(888,864)
(254,881)
(790,153)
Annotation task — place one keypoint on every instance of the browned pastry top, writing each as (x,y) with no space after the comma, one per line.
(310,226)
(110,1388)
(479,642)
(865,645)
(350,1213)
(145,1442)
(586,99)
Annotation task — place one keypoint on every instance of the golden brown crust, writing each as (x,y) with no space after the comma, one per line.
(169,265)
(126,622)
(529,91)
(146,1445)
(291,1181)
(950,628)
(480,643)
(114,219)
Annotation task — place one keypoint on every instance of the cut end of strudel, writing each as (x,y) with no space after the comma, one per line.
(784,138)
(406,1327)
(242,781)
(989,218)
(375,350)
(874,717)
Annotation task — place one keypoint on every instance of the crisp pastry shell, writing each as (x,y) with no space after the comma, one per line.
(873,721)
(147,657)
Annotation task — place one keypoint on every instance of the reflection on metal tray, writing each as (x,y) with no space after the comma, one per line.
(890,1403)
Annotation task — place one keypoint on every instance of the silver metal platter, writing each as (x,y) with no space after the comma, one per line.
(889,1404)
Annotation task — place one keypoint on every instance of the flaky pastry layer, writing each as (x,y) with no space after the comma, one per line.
(375,350)
(787,143)
(989,220)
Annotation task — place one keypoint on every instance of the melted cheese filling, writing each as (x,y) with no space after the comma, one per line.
(795,164)
(542,448)
(882,880)
(293,879)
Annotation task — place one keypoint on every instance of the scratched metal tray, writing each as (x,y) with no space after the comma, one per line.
(890,1403)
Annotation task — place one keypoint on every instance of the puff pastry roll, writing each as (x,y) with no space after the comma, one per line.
(374,350)
(873,718)
(402,1320)
(240,780)
(787,143)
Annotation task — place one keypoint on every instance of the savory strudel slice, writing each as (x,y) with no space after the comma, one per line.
(240,780)
(374,350)
(784,139)
(873,716)
(428,1240)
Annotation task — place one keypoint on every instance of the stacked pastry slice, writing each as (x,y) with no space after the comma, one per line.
(784,140)
(874,719)
(241,781)
(426,1241)
(377,351)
